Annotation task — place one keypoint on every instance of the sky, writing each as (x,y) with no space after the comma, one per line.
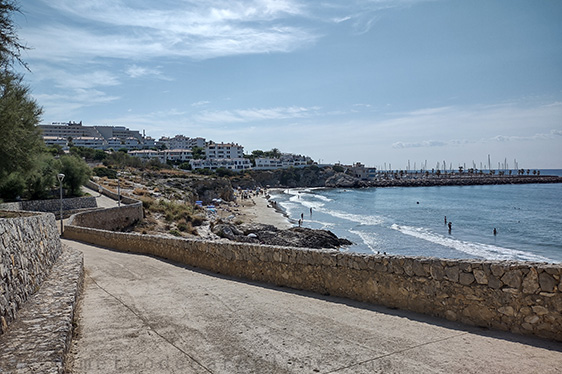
(382,82)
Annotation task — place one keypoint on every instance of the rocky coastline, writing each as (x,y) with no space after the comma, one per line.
(333,177)
(217,208)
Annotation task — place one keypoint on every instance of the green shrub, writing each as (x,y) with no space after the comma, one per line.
(105,172)
(12,186)
(76,173)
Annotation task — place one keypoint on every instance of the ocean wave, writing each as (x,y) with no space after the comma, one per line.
(369,239)
(358,218)
(319,197)
(486,251)
(315,205)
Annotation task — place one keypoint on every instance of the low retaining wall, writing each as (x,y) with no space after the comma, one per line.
(29,246)
(521,297)
(73,204)
(96,187)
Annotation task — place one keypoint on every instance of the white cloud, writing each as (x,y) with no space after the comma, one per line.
(425,143)
(127,29)
(60,106)
(135,71)
(250,115)
(200,103)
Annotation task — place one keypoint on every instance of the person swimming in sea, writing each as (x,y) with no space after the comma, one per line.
(495,231)
(450,225)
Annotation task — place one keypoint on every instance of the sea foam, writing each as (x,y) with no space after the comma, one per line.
(486,251)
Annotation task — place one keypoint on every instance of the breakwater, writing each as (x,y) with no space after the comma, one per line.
(522,297)
(457,180)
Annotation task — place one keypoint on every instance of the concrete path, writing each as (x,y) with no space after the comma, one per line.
(102,201)
(141,314)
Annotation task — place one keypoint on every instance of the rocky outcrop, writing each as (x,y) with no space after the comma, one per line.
(204,189)
(342,180)
(267,234)
(311,176)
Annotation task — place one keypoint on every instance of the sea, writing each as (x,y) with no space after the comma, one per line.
(410,221)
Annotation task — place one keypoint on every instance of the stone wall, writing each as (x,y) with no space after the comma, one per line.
(29,246)
(96,187)
(521,297)
(69,205)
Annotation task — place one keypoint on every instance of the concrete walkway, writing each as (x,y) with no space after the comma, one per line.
(102,201)
(142,314)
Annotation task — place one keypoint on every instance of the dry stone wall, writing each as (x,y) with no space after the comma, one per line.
(521,297)
(29,246)
(52,205)
(117,218)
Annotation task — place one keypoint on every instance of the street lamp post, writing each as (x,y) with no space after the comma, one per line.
(60,177)
(118,191)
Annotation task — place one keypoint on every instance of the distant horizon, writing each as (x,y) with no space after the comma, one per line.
(392,80)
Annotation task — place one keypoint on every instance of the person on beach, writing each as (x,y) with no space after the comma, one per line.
(311,212)
(300,222)
(302,216)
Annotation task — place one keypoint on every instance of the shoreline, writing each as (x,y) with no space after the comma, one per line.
(257,209)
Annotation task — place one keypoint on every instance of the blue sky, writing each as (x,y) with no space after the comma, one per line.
(376,81)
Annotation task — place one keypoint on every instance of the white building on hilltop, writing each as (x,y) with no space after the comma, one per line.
(236,164)
(223,151)
(88,136)
(285,161)
(181,142)
(89,142)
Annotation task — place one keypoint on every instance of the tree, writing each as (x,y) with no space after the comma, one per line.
(19,116)
(41,178)
(76,173)
(10,46)
(198,153)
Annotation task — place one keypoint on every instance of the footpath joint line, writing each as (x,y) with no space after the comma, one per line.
(396,352)
(145,322)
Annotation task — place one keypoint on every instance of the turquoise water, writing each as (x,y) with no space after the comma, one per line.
(410,221)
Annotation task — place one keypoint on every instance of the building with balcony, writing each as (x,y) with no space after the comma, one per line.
(223,150)
(236,164)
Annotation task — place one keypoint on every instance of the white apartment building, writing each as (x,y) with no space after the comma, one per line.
(56,140)
(223,151)
(285,161)
(182,142)
(148,154)
(149,142)
(183,155)
(132,143)
(118,132)
(236,164)
(114,143)
(89,142)
(70,129)
(177,154)
(109,134)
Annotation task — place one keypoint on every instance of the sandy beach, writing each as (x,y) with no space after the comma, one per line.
(257,209)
